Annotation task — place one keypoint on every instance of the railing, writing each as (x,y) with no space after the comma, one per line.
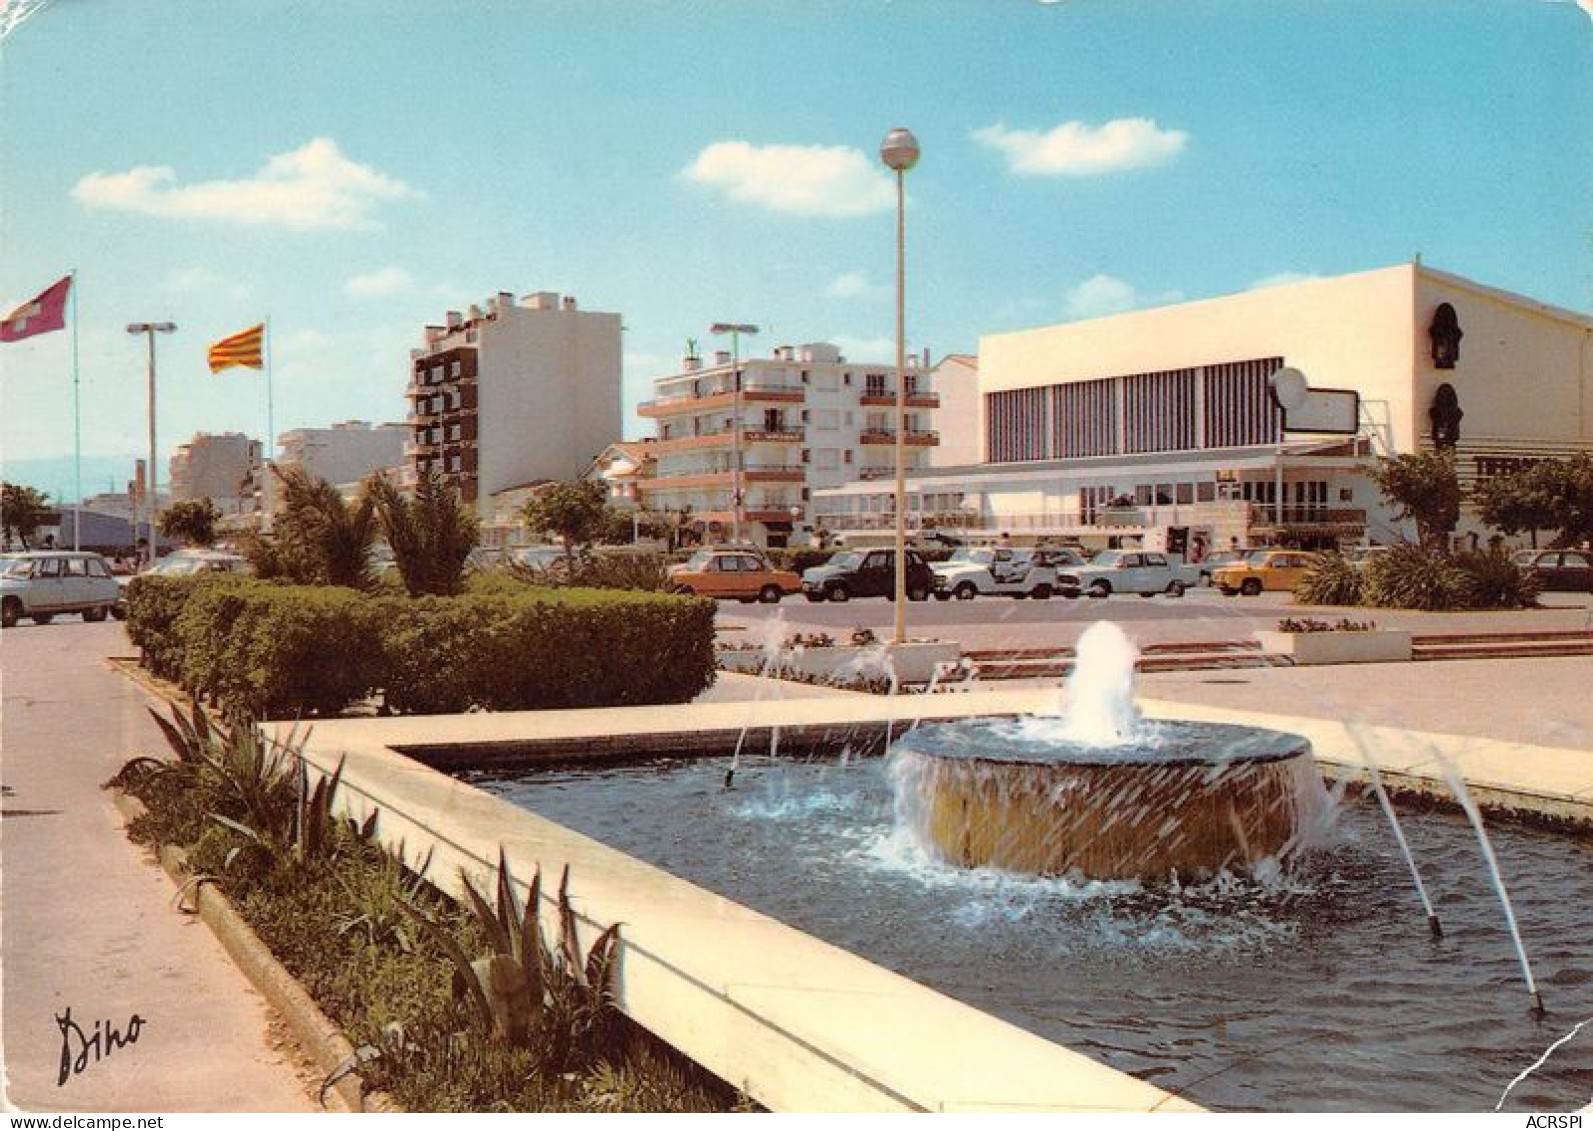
(888,436)
(748,389)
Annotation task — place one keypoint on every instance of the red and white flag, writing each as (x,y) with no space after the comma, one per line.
(40,315)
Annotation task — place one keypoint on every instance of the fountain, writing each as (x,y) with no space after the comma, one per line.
(1098,791)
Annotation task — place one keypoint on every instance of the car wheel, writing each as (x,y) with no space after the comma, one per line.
(1100,589)
(1175,589)
(965,592)
(770,594)
(10,612)
(840,594)
(1041,593)
(43,618)
(1250,587)
(918,594)
(95,614)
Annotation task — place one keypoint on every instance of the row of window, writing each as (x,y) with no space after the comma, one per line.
(1212,406)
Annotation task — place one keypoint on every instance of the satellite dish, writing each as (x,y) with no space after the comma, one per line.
(1289,388)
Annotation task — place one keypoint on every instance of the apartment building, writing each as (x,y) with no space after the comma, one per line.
(1156,423)
(219,467)
(347,452)
(521,391)
(804,418)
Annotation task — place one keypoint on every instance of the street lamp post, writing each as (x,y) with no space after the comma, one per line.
(899,152)
(735,330)
(149,330)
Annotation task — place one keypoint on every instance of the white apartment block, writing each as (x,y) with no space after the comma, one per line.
(808,419)
(520,392)
(219,467)
(347,452)
(955,379)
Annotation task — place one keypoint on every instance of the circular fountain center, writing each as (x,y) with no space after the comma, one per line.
(1099,792)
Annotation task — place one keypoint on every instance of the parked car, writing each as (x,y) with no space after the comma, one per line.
(1129,571)
(867,573)
(1212,562)
(44,584)
(1264,569)
(182,563)
(1564,571)
(742,574)
(999,571)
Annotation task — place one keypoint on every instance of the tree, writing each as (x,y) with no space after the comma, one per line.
(319,538)
(431,535)
(1551,494)
(1426,490)
(22,511)
(576,513)
(192,521)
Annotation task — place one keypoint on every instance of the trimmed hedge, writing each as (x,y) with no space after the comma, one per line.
(289,650)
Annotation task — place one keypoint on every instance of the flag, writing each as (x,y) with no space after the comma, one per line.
(45,312)
(240,349)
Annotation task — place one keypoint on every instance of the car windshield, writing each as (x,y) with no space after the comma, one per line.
(967,556)
(699,561)
(15,567)
(851,559)
(178,567)
(1106,557)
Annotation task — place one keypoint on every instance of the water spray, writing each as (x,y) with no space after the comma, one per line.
(1463,795)
(773,645)
(1433,925)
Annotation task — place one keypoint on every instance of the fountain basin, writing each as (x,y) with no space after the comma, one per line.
(1184,801)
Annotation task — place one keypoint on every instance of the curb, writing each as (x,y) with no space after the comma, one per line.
(315,1033)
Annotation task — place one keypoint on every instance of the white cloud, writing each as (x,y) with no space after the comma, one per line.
(387,281)
(314,186)
(193,280)
(1076,149)
(811,180)
(1101,295)
(1282,279)
(854,284)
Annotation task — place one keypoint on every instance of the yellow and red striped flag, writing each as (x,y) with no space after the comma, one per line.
(241,349)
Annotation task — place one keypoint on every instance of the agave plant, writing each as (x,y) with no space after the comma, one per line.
(525,986)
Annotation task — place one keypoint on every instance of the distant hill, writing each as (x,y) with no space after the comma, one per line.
(54,474)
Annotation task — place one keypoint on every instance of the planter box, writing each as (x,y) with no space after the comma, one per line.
(1379,646)
(913,662)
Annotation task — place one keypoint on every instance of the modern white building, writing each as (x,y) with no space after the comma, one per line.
(1160,423)
(960,418)
(347,452)
(514,393)
(804,419)
(219,467)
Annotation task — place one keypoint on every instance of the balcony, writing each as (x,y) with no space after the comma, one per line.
(888,436)
(886,398)
(752,473)
(416,448)
(721,398)
(725,437)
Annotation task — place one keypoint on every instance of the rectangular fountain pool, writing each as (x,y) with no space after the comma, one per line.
(1321,992)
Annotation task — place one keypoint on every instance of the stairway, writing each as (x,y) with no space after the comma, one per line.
(1500,645)
(1053,663)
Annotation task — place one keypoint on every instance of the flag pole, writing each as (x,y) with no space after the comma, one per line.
(77,425)
(268,453)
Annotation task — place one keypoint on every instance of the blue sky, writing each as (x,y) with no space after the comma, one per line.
(353,170)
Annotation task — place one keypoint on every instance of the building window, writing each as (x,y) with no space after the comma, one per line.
(1239,408)
(848,455)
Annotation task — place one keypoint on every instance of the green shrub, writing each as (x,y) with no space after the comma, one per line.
(797,560)
(153,605)
(430,649)
(1331,580)
(1410,577)
(279,651)
(1493,581)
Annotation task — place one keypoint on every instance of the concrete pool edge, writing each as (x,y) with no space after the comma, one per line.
(800,1024)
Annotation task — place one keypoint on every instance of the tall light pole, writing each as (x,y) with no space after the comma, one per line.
(735,330)
(149,330)
(899,151)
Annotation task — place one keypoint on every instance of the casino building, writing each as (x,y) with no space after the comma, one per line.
(1158,425)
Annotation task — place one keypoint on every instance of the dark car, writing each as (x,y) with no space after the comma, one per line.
(867,573)
(1559,571)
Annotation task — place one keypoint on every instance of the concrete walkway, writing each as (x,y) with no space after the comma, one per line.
(88,920)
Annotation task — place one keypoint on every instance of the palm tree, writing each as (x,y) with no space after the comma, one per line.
(431,535)
(321,538)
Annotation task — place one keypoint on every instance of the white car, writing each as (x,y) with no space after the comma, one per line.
(45,584)
(996,571)
(183,563)
(1133,571)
